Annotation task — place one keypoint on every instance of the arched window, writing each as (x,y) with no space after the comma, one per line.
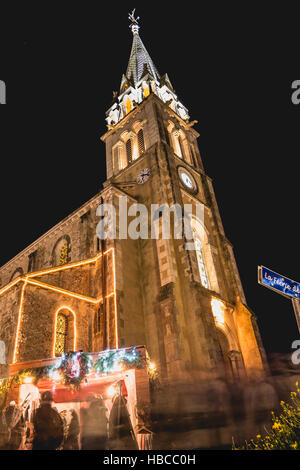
(64,331)
(61,334)
(146,90)
(141,143)
(129,150)
(204,262)
(224,346)
(61,251)
(17,273)
(194,158)
(201,265)
(116,159)
(63,255)
(128,105)
(181,146)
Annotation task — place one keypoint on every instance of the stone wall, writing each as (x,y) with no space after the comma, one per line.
(9,308)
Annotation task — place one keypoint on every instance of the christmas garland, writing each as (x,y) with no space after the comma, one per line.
(9,383)
(113,360)
(75,366)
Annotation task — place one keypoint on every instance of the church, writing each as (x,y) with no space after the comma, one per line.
(71,291)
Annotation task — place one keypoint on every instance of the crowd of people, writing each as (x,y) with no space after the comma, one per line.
(50,430)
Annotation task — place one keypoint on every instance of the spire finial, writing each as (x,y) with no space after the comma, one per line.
(134,26)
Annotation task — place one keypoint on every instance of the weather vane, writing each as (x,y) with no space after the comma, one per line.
(134,21)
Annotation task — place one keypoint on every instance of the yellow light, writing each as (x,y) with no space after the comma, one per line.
(27,279)
(218,307)
(64,307)
(11,284)
(19,323)
(28,380)
(63,291)
(56,376)
(111,391)
(115,301)
(152,366)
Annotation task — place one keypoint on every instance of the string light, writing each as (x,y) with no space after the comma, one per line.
(19,323)
(28,279)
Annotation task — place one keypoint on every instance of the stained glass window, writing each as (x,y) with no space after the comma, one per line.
(61,334)
(201,265)
(63,255)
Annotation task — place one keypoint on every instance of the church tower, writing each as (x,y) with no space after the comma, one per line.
(186,306)
(180,296)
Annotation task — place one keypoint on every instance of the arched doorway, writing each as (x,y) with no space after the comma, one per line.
(225,349)
(232,358)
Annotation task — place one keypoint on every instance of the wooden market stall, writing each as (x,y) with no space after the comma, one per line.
(108,374)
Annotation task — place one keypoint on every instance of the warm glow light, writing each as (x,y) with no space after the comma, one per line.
(152,366)
(218,307)
(63,291)
(115,301)
(19,323)
(28,380)
(66,266)
(55,324)
(53,270)
(11,284)
(56,376)
(111,391)
(27,279)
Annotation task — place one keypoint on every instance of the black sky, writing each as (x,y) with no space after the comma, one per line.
(231,66)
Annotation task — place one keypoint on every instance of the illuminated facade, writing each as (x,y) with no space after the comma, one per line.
(71,291)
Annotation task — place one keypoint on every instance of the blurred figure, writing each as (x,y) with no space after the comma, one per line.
(260,400)
(71,442)
(94,426)
(48,425)
(121,433)
(12,427)
(63,415)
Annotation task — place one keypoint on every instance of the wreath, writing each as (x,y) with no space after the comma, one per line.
(74,367)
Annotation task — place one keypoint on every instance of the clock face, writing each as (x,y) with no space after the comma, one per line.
(187,179)
(143,176)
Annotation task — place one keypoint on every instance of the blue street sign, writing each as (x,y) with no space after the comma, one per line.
(281,284)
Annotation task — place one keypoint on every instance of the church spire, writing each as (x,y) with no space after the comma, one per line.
(139,61)
(141,80)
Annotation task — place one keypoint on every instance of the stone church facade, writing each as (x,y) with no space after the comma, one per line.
(69,290)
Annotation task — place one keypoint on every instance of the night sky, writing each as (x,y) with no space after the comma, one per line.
(232,68)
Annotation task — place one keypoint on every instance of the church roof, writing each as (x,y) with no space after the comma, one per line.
(139,60)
